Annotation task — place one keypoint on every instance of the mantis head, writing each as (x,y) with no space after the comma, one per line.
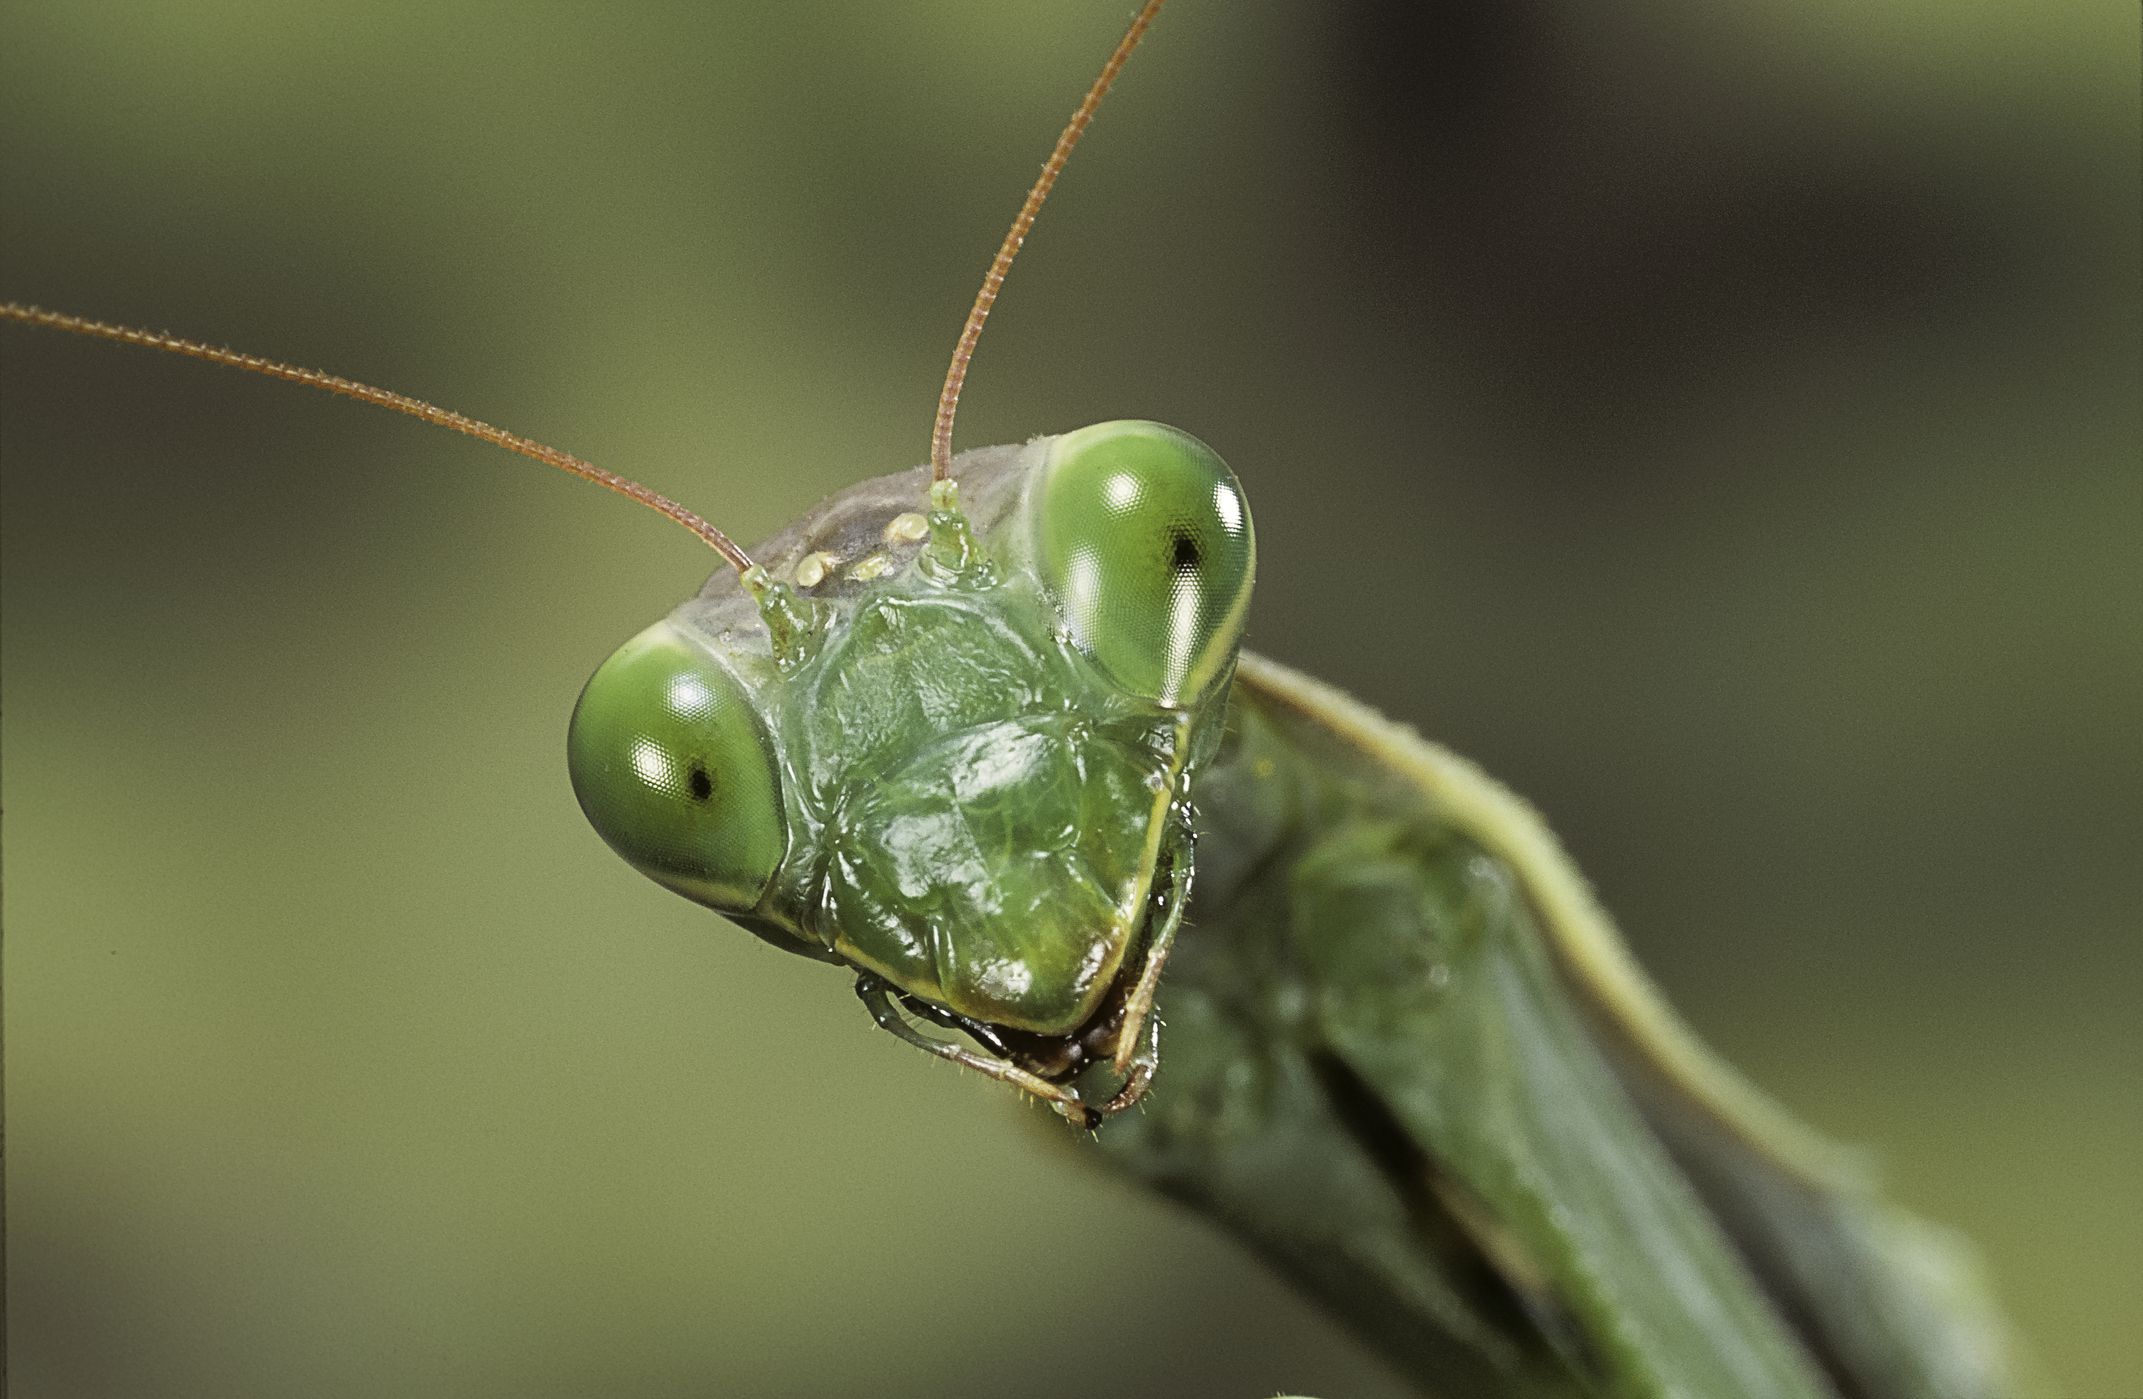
(958,755)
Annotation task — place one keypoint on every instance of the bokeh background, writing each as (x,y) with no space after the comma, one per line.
(1722,421)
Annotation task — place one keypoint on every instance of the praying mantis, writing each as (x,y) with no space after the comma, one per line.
(331,798)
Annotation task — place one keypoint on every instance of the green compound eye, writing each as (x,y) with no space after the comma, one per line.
(1143,537)
(671,766)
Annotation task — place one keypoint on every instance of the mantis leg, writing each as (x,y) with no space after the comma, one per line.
(1138,1046)
(877,999)
(1137,1065)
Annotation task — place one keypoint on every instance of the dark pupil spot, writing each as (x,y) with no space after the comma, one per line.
(1183,552)
(700,783)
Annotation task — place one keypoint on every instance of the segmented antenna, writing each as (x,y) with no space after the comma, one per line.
(994,279)
(400,403)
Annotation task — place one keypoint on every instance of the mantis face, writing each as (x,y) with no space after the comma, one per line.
(958,756)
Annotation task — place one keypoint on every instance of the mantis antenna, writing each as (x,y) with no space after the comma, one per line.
(994,279)
(400,403)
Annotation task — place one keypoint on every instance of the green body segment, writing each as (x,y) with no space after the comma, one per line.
(1385,1070)
(989,842)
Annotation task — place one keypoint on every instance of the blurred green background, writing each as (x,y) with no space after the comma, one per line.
(1720,421)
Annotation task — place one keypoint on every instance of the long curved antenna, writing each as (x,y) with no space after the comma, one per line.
(994,279)
(400,403)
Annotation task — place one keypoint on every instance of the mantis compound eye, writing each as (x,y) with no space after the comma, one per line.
(1143,538)
(672,767)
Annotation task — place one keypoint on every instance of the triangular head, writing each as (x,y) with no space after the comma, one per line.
(956,751)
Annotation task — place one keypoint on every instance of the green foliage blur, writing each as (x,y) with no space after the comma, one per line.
(1722,421)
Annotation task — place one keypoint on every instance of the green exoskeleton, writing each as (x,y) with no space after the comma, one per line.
(981,733)
(959,755)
